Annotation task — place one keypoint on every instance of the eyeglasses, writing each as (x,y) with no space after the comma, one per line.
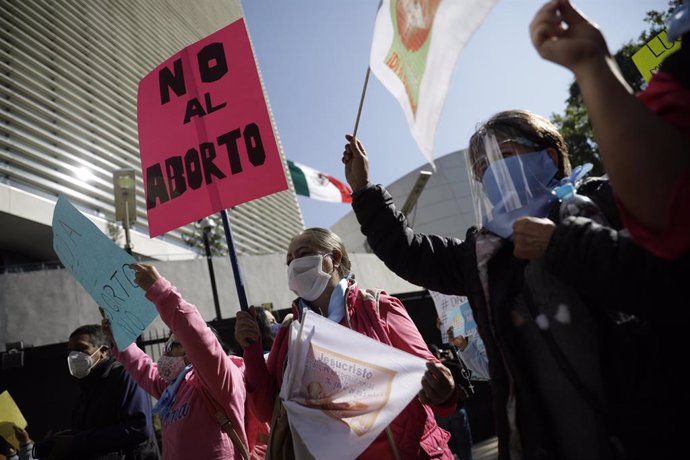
(170,344)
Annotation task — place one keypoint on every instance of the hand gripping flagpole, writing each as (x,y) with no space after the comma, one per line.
(239,283)
(361,101)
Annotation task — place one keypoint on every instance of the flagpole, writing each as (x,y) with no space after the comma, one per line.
(239,283)
(361,101)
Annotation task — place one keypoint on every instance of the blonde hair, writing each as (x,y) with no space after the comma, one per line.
(326,241)
(521,123)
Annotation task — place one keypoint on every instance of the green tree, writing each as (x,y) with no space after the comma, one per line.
(574,123)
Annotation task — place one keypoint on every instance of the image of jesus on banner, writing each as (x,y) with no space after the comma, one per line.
(346,389)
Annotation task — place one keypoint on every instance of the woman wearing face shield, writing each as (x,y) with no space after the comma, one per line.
(542,336)
(318,269)
(193,379)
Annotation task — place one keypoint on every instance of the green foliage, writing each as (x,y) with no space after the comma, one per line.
(575,127)
(574,123)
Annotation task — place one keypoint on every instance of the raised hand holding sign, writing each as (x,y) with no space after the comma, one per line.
(103,269)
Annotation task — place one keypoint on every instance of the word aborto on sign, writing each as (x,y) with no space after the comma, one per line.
(172,177)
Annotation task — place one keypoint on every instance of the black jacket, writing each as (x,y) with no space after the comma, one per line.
(112,417)
(642,358)
(544,340)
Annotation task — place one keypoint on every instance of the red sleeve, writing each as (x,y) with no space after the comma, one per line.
(405,336)
(674,240)
(667,98)
(670,100)
(264,378)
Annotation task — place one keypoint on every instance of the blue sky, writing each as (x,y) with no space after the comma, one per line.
(313,55)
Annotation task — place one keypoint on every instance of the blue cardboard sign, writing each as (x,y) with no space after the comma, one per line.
(102,268)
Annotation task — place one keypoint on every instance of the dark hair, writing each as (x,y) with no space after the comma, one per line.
(264,328)
(511,123)
(95,333)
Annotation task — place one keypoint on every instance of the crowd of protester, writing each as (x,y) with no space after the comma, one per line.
(579,330)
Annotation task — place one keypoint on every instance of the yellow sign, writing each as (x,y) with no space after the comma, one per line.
(650,56)
(10,415)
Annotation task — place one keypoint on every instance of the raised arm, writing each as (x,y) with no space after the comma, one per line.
(260,378)
(426,260)
(137,363)
(644,156)
(220,377)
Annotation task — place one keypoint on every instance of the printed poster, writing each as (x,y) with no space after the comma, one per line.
(342,388)
(454,311)
(205,135)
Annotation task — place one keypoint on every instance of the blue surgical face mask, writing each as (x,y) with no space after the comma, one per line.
(275,327)
(532,176)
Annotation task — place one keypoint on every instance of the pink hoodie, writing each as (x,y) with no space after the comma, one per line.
(190,431)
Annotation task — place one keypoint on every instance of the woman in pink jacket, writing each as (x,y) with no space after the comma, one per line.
(319,273)
(192,380)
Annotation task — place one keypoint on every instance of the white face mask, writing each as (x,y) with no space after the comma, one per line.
(306,278)
(80,363)
(170,366)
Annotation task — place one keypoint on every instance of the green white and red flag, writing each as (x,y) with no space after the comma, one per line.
(317,185)
(415,46)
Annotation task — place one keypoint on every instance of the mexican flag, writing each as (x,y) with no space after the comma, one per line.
(317,185)
(413,53)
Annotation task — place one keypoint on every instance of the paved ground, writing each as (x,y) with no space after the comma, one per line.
(485,450)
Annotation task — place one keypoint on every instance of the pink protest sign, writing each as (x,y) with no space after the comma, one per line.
(205,135)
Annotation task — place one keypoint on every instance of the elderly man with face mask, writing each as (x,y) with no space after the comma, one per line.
(112,415)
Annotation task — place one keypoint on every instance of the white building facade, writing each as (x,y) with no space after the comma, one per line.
(69,72)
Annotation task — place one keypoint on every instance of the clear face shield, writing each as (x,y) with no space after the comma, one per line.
(511,176)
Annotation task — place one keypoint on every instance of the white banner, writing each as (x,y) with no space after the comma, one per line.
(413,53)
(342,389)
